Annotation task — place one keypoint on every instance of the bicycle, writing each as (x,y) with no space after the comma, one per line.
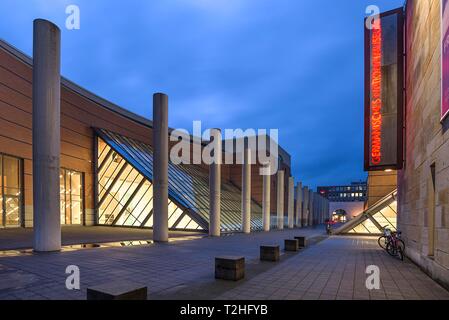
(383,239)
(395,246)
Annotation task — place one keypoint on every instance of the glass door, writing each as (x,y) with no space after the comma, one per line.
(10,191)
(72,187)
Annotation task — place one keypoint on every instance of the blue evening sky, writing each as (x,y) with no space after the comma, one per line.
(293,65)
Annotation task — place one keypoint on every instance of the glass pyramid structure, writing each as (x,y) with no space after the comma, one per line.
(382,214)
(125,189)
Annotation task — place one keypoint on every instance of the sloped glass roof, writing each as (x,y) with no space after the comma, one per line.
(188,188)
(382,214)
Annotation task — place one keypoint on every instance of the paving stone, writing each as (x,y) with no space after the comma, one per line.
(331,269)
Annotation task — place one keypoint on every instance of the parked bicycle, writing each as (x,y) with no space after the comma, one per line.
(383,239)
(391,241)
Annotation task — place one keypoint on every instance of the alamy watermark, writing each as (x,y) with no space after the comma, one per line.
(373,17)
(72,282)
(373,280)
(262,143)
(73,21)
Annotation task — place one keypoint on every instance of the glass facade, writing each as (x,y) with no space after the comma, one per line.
(125,192)
(381,215)
(126,196)
(72,189)
(385,217)
(10,191)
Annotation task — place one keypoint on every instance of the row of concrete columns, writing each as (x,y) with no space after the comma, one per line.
(309,208)
(294,219)
(320,209)
(46,153)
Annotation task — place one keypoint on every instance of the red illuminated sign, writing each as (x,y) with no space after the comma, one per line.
(384,91)
(376,93)
(444,59)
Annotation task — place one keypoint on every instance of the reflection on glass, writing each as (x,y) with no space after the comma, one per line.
(126,197)
(385,217)
(10,191)
(71,188)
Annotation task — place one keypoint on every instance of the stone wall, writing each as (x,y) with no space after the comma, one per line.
(380,183)
(424,196)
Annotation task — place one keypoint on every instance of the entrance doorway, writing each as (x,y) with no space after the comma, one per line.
(10,191)
(72,195)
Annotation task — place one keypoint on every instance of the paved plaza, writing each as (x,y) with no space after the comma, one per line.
(330,268)
(22,238)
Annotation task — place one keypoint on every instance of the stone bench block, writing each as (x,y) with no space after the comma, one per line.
(117,290)
(269,253)
(291,245)
(301,241)
(230,268)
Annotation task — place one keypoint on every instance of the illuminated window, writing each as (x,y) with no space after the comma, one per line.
(72,193)
(125,190)
(10,191)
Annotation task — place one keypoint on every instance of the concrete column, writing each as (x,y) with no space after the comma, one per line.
(215,186)
(298,208)
(266,196)
(280,199)
(321,210)
(311,208)
(291,203)
(318,209)
(305,209)
(246,190)
(160,167)
(46,135)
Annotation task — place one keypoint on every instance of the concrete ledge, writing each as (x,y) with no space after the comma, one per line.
(230,268)
(269,253)
(117,291)
(301,241)
(291,245)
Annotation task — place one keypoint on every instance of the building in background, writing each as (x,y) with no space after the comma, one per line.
(345,201)
(106,157)
(106,163)
(356,191)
